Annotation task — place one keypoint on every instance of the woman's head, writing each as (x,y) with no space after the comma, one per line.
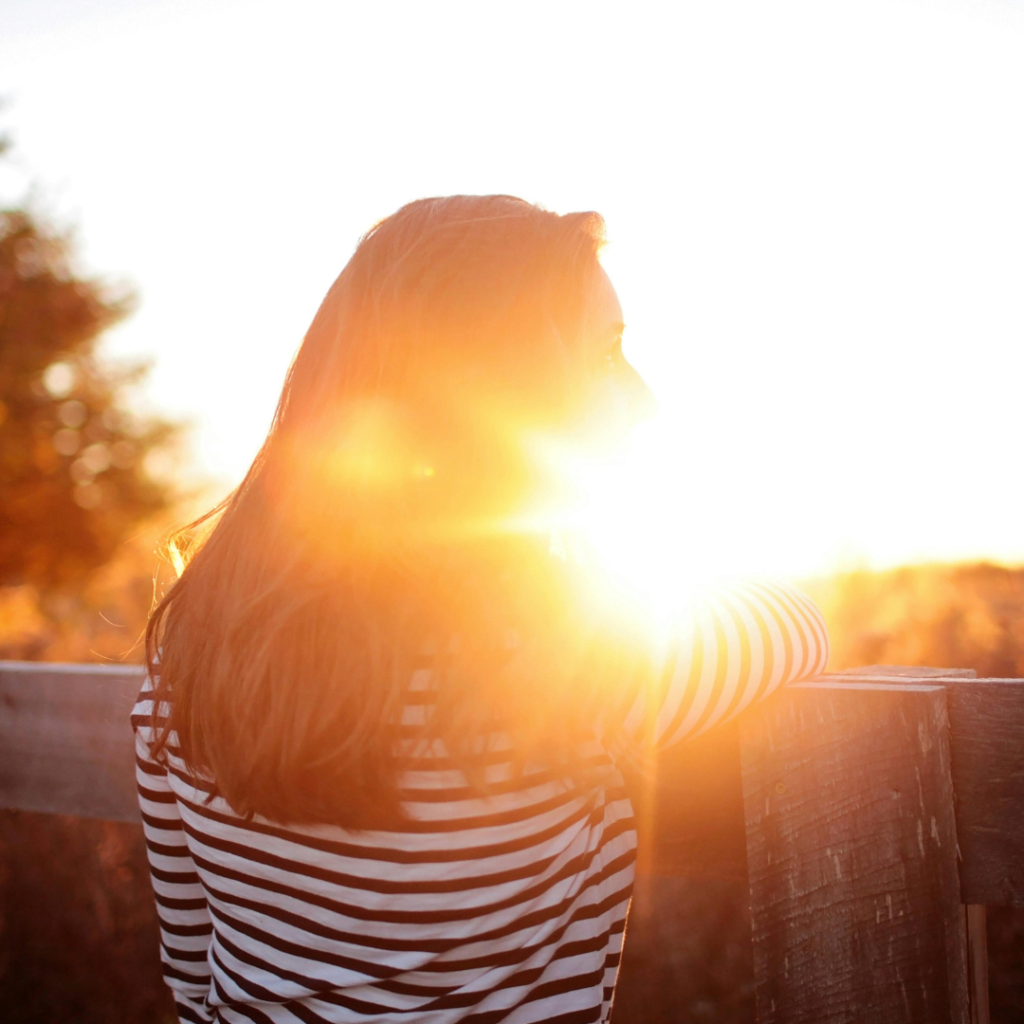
(374,523)
(461,330)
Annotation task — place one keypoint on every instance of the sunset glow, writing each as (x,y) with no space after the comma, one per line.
(647,524)
(814,215)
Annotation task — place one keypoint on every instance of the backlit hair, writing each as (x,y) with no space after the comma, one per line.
(376,529)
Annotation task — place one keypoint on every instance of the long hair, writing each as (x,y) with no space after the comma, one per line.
(379,528)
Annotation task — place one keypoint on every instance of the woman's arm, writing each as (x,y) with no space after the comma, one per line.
(185,926)
(738,644)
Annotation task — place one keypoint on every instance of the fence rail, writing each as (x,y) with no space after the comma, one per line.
(874,814)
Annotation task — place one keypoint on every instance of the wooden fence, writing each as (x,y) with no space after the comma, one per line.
(874,815)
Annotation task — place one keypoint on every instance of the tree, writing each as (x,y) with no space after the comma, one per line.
(73,479)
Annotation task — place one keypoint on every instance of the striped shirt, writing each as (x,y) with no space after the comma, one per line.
(509,907)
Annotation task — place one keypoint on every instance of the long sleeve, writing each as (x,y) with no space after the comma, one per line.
(738,644)
(185,926)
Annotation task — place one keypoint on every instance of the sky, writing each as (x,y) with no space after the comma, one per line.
(815,214)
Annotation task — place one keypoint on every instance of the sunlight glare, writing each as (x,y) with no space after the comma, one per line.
(627,510)
(664,528)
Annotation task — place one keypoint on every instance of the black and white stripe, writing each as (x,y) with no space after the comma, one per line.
(510,908)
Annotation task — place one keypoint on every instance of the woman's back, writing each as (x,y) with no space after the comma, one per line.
(510,906)
(507,905)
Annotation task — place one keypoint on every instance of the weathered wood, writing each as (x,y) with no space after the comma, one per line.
(66,746)
(987,721)
(690,808)
(977,963)
(911,671)
(986,718)
(851,848)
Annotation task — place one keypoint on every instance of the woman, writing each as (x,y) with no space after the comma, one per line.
(377,755)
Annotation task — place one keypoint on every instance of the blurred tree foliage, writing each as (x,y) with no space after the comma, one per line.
(73,482)
(78,502)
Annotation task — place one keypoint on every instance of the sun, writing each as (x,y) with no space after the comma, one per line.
(630,509)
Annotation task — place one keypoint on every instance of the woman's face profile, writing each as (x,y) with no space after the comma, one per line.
(623,397)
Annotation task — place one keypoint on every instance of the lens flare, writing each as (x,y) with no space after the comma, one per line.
(628,509)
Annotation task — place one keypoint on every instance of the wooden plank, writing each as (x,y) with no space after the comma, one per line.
(911,671)
(851,847)
(66,746)
(986,719)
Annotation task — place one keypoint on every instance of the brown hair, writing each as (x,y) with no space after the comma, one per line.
(374,526)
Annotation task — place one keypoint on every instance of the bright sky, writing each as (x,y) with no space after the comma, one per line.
(816,213)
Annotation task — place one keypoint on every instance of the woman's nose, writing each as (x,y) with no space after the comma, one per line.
(641,401)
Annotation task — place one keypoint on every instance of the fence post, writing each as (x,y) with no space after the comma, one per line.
(852,855)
